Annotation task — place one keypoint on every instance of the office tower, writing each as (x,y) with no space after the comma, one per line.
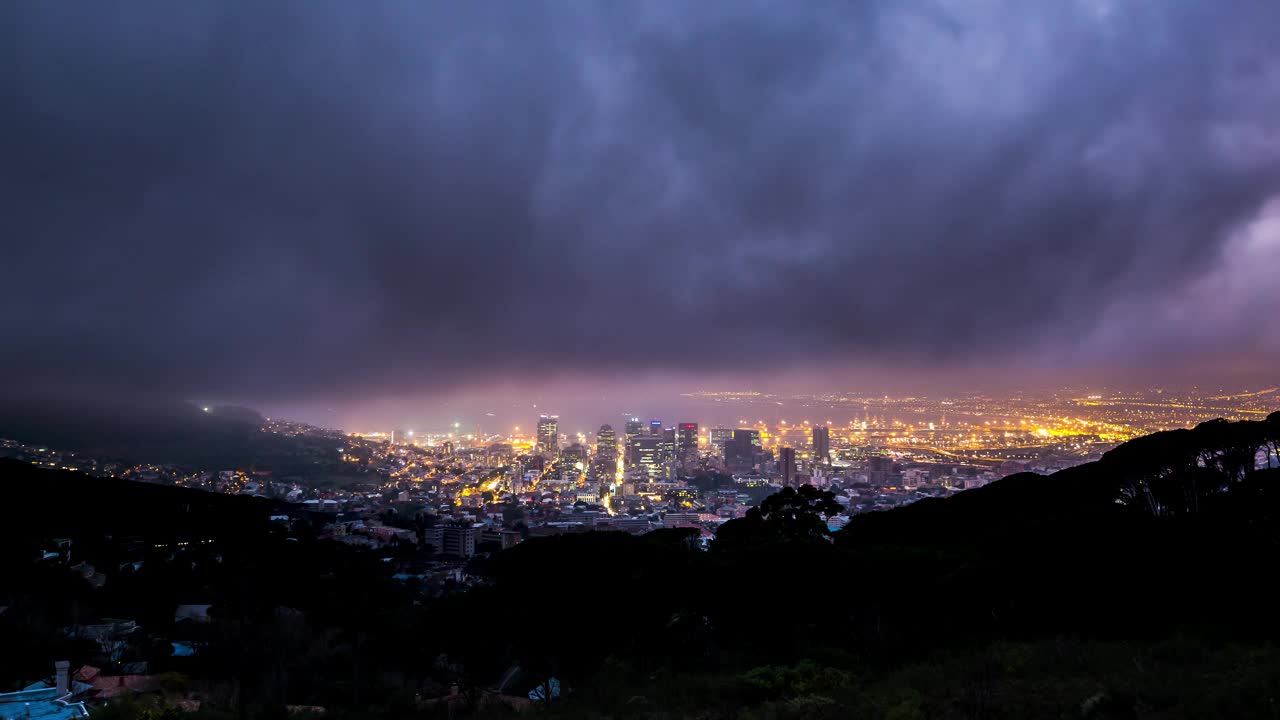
(549,434)
(633,450)
(740,451)
(571,463)
(880,463)
(668,443)
(606,443)
(648,452)
(576,453)
(655,428)
(821,444)
(720,436)
(634,429)
(603,471)
(787,465)
(880,470)
(687,436)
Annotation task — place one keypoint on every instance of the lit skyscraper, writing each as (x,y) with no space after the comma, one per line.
(648,452)
(573,460)
(635,429)
(668,443)
(821,444)
(655,428)
(720,436)
(549,434)
(687,438)
(606,443)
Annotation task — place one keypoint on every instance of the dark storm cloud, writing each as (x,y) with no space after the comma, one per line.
(288,198)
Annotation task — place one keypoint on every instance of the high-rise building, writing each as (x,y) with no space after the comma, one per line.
(687,436)
(635,428)
(821,444)
(515,476)
(570,465)
(549,434)
(880,470)
(740,451)
(720,436)
(606,443)
(655,428)
(668,443)
(454,539)
(787,466)
(603,471)
(577,452)
(648,452)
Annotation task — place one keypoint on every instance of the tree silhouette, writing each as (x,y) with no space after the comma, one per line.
(1174,473)
(789,515)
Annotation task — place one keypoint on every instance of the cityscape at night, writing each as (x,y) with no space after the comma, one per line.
(642,474)
(652,359)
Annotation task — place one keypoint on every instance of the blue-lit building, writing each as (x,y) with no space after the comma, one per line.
(41,701)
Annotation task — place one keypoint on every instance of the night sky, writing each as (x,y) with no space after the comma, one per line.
(358,207)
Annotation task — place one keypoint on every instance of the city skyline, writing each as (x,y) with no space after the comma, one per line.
(1114,413)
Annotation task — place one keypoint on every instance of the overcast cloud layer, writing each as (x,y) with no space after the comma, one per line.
(280,199)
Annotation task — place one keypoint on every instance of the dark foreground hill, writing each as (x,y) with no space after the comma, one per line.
(1138,586)
(81,551)
(44,503)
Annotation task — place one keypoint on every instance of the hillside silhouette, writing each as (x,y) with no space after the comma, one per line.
(164,431)
(1139,585)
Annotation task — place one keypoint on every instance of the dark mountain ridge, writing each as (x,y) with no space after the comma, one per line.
(46,503)
(166,432)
